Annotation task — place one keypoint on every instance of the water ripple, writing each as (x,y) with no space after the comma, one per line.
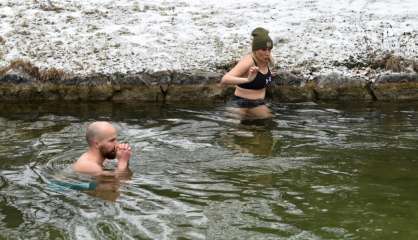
(316,172)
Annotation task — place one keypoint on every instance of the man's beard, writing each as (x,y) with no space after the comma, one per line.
(108,154)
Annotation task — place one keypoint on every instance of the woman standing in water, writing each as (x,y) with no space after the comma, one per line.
(251,76)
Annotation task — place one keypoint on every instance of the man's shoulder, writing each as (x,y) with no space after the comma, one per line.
(84,165)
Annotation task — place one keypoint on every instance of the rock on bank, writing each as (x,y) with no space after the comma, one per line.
(22,81)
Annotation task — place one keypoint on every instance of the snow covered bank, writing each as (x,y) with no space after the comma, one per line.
(106,36)
(178,50)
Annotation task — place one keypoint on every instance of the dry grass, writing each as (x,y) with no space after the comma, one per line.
(393,63)
(26,67)
(3,71)
(51,74)
(33,71)
(226,66)
(23,66)
(49,6)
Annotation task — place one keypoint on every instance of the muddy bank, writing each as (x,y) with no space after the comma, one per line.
(22,81)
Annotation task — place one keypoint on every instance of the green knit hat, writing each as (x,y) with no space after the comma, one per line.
(261,39)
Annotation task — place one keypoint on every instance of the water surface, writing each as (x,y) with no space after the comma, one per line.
(316,171)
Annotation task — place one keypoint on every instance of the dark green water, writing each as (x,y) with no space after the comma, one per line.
(317,171)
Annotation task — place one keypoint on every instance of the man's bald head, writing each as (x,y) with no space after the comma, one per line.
(98,131)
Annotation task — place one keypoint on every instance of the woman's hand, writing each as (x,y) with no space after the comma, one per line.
(252,73)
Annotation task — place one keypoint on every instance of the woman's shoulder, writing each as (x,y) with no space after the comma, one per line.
(248,57)
(247,60)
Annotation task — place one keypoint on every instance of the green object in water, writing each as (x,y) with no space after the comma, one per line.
(61,185)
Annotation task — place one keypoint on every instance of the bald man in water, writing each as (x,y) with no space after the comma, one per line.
(102,140)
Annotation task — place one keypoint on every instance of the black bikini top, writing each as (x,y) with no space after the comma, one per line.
(261,80)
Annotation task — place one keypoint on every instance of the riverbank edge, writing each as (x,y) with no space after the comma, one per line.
(23,82)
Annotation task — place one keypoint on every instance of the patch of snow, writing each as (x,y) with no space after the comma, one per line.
(109,36)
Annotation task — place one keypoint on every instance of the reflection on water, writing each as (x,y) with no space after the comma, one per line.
(314,172)
(259,142)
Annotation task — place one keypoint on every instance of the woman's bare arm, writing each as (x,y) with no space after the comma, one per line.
(243,72)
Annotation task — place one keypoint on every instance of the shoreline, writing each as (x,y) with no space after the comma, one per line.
(21,82)
(177,51)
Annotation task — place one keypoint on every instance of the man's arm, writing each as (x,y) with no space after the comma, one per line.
(89,168)
(123,154)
